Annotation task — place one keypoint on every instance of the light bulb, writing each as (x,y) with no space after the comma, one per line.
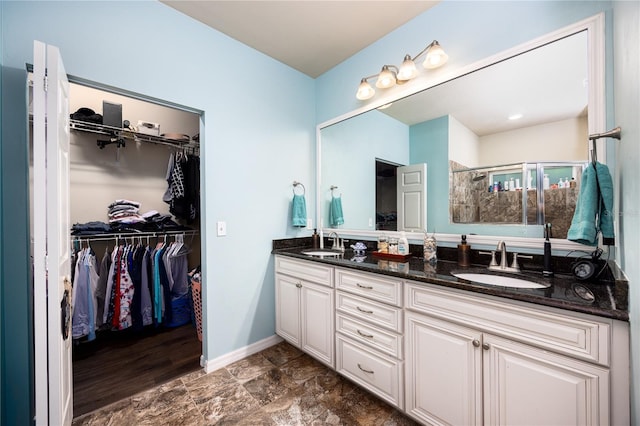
(386,78)
(436,56)
(365,91)
(408,69)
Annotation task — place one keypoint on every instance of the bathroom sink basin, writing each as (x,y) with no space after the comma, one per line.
(498,280)
(321,252)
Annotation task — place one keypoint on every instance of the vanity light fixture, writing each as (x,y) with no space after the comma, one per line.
(390,75)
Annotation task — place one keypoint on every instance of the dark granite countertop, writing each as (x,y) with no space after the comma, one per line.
(610,296)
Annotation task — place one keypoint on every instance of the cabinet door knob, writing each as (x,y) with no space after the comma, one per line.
(368,287)
(363,310)
(485,346)
(364,369)
(299,284)
(476,343)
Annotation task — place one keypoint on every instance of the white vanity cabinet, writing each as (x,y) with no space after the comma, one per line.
(305,307)
(473,360)
(369,326)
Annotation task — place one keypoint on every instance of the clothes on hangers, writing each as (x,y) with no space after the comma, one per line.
(83,298)
(101,288)
(183,186)
(142,283)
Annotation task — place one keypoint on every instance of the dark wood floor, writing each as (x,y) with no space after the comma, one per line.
(119,364)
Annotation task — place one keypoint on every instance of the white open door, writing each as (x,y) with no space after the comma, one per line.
(412,197)
(51,241)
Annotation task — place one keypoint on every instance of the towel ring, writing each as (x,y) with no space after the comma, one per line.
(297,184)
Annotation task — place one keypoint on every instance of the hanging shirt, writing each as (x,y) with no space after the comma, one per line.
(83,299)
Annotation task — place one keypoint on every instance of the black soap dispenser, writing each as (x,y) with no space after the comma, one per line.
(464,252)
(548,268)
(315,239)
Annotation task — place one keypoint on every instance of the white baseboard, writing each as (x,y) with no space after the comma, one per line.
(238,354)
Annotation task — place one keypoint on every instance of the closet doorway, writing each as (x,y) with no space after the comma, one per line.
(126,201)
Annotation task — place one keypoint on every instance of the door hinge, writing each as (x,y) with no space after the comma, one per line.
(46,83)
(46,263)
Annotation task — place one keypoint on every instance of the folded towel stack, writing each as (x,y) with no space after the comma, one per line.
(335,212)
(299,211)
(594,209)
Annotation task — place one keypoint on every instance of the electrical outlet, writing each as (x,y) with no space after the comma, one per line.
(222,229)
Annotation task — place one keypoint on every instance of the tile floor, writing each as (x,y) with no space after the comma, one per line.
(278,386)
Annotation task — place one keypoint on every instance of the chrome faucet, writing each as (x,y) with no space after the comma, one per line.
(337,242)
(502,248)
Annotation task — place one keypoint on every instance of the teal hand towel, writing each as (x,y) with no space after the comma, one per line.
(594,209)
(335,212)
(298,211)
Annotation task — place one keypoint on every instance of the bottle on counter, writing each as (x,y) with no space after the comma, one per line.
(403,244)
(315,239)
(545,182)
(573,183)
(393,245)
(464,252)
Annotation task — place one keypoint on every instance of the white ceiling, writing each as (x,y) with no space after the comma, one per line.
(309,36)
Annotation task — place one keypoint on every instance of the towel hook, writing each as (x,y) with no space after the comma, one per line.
(613,133)
(297,184)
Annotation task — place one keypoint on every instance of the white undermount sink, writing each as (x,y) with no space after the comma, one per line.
(321,252)
(498,280)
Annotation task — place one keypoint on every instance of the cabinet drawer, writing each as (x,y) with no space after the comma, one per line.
(572,335)
(309,271)
(380,374)
(375,337)
(374,312)
(385,290)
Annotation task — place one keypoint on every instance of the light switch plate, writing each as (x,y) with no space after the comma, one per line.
(222,229)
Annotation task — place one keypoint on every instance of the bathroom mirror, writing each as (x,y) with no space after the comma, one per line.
(463,123)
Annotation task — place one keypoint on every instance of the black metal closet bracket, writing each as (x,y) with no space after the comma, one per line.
(119,141)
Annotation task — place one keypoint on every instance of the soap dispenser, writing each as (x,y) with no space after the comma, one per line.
(315,239)
(464,252)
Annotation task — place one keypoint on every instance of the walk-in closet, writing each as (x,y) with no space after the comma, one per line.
(135,209)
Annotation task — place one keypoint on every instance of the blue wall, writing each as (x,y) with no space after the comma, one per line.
(626,34)
(429,143)
(365,138)
(259,137)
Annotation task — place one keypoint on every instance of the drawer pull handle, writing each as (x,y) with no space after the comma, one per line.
(486,346)
(366,287)
(364,369)
(298,284)
(363,310)
(370,336)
